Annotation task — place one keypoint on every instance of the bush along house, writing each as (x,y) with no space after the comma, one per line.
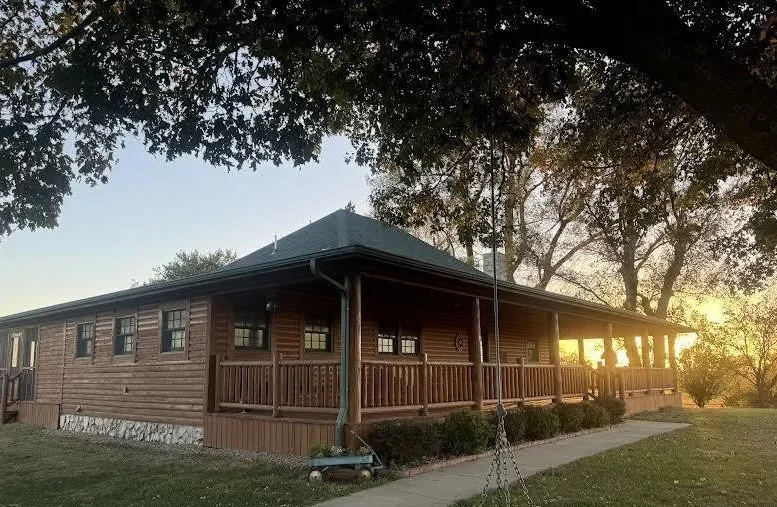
(342,323)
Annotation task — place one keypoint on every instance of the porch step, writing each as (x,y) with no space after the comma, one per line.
(10,415)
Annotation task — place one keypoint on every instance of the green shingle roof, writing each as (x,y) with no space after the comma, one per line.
(345,229)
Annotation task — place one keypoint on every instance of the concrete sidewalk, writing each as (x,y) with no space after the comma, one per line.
(443,487)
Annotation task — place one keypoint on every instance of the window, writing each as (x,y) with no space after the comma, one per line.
(318,335)
(251,331)
(173,331)
(30,342)
(409,343)
(387,340)
(532,354)
(125,336)
(85,339)
(16,342)
(402,340)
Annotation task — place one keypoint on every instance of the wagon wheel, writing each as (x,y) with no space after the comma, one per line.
(315,475)
(365,474)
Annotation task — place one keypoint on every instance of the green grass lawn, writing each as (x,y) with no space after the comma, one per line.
(727,458)
(39,467)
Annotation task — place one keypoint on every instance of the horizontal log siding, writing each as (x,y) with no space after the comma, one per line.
(514,330)
(439,317)
(146,387)
(286,324)
(49,366)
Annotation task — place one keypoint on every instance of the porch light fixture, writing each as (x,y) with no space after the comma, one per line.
(272,302)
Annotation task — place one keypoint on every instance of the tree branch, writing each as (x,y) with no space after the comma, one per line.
(73,33)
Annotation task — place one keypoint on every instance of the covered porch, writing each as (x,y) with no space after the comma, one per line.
(414,347)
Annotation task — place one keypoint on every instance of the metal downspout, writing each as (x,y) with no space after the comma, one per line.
(342,415)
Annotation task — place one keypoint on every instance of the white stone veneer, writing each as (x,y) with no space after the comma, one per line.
(132,430)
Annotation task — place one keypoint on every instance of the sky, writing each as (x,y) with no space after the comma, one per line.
(112,234)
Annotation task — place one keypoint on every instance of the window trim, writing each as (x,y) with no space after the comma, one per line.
(330,346)
(174,355)
(267,330)
(78,325)
(128,356)
(399,327)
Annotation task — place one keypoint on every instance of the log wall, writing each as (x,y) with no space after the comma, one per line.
(146,385)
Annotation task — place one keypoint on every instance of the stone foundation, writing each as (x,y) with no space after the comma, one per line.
(132,430)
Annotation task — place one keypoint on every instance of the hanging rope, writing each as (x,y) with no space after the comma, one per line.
(502,450)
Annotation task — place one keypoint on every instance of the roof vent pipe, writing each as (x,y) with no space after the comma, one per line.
(342,414)
(274,245)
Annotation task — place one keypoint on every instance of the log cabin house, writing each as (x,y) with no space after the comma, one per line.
(341,323)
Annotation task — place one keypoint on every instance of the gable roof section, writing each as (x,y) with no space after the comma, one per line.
(343,229)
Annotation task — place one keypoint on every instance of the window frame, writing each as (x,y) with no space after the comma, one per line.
(79,325)
(399,338)
(393,339)
(266,328)
(319,319)
(125,356)
(174,353)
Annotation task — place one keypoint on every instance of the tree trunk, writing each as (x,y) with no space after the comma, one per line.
(514,246)
(680,248)
(628,273)
(652,38)
(763,396)
(470,253)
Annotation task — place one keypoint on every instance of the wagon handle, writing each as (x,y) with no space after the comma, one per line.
(380,463)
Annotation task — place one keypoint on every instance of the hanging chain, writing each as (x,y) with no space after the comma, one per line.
(502,450)
(499,470)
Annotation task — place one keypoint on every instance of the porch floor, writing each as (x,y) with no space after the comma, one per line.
(443,487)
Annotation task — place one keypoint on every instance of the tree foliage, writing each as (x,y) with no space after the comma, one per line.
(748,337)
(186,264)
(703,374)
(239,83)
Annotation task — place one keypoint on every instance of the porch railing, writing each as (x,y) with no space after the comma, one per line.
(391,384)
(293,385)
(312,386)
(634,379)
(13,388)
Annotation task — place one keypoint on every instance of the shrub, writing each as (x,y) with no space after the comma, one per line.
(319,449)
(515,426)
(465,433)
(570,416)
(405,442)
(615,407)
(594,415)
(541,423)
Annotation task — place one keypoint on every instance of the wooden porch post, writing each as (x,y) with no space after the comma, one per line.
(673,358)
(3,397)
(424,390)
(555,354)
(610,358)
(217,381)
(659,351)
(355,357)
(646,357)
(522,380)
(581,351)
(276,383)
(475,355)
